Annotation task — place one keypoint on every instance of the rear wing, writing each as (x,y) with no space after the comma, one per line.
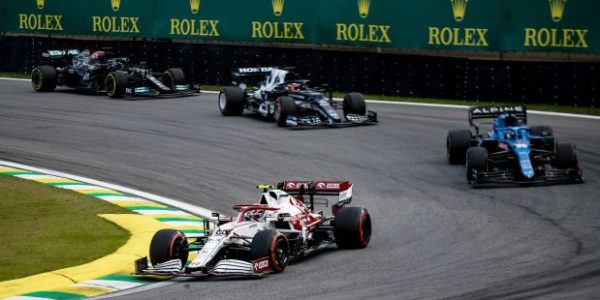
(342,189)
(60,53)
(58,57)
(250,76)
(486,112)
(492,112)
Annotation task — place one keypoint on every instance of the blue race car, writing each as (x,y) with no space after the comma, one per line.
(511,152)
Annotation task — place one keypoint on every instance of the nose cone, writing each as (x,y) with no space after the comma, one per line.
(525,164)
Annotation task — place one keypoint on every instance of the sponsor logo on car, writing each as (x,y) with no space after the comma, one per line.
(260,265)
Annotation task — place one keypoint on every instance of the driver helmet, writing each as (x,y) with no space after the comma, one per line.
(98,55)
(294,86)
(253,215)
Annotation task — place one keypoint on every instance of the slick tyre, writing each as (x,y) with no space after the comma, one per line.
(172,77)
(284,107)
(354,103)
(116,84)
(566,158)
(272,244)
(457,143)
(544,131)
(231,101)
(476,162)
(352,228)
(44,78)
(168,244)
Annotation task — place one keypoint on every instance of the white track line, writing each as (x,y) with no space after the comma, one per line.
(196,210)
(533,112)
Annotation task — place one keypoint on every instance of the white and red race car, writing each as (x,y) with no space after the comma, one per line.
(264,236)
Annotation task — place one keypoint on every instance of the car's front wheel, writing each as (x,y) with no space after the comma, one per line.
(172,77)
(354,103)
(476,162)
(565,156)
(271,244)
(283,108)
(116,84)
(168,244)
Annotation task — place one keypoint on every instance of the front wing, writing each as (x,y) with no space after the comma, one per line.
(178,91)
(551,176)
(225,267)
(314,121)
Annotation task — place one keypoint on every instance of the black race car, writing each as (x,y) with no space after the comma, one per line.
(280,95)
(101,72)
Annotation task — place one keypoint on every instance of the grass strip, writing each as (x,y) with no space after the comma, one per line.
(43,228)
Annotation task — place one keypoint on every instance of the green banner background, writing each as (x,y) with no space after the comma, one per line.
(487,25)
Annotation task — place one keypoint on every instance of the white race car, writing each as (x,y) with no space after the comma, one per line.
(264,236)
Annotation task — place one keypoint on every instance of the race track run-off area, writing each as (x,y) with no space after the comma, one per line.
(434,236)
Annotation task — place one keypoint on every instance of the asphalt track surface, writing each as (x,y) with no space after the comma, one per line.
(434,236)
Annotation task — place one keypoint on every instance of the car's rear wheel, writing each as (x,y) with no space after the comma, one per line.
(457,143)
(566,158)
(116,84)
(44,78)
(352,228)
(271,244)
(231,101)
(283,108)
(172,77)
(354,103)
(476,162)
(168,244)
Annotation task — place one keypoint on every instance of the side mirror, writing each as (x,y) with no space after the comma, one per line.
(282,216)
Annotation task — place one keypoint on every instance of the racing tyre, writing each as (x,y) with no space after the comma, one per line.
(566,158)
(43,78)
(476,161)
(168,244)
(457,143)
(272,244)
(231,101)
(352,228)
(284,107)
(115,84)
(544,131)
(354,103)
(172,77)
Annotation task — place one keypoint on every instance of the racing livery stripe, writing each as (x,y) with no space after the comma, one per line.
(188,224)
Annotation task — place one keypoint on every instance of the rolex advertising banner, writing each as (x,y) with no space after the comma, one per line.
(478,25)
